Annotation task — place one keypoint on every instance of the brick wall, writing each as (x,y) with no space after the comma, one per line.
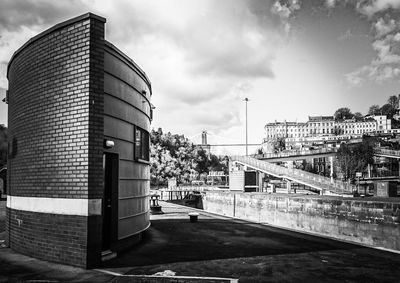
(55,128)
(58,238)
(96,109)
(52,91)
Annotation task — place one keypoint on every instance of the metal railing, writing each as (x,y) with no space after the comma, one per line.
(300,176)
(384,151)
(293,153)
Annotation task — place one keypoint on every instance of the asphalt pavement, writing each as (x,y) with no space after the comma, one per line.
(217,249)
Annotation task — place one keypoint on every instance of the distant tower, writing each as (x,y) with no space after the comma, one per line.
(204,145)
(204,138)
(398,103)
(397,116)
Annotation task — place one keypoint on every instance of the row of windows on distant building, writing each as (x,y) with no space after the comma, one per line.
(325,125)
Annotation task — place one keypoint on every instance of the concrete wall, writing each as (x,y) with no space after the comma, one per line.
(370,222)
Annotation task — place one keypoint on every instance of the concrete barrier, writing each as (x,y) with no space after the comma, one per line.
(371,222)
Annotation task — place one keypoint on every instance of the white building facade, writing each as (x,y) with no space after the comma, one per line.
(324,126)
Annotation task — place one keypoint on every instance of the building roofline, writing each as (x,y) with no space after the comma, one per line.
(129,60)
(52,29)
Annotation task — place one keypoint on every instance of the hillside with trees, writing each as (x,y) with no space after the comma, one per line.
(174,156)
(389,109)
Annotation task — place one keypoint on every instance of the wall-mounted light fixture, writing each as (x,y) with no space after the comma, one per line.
(5,99)
(108,143)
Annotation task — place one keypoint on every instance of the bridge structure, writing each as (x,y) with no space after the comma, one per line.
(323,185)
(322,152)
(316,182)
(390,153)
(290,155)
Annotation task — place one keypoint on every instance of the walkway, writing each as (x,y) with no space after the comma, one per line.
(315,181)
(387,152)
(296,154)
(223,247)
(219,247)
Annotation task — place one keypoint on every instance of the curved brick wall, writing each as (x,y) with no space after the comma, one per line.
(57,125)
(50,113)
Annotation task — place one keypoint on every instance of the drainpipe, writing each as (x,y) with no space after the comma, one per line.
(234,205)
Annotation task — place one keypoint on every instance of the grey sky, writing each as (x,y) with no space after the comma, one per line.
(290,58)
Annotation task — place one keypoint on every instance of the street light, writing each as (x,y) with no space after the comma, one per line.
(247,152)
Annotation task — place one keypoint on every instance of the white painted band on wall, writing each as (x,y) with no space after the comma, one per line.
(64,206)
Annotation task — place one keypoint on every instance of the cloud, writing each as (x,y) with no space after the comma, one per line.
(348,34)
(15,14)
(202,57)
(21,20)
(386,65)
(219,38)
(386,32)
(384,26)
(285,10)
(370,8)
(330,4)
(10,41)
(196,53)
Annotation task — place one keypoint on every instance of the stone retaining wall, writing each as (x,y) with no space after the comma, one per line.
(371,222)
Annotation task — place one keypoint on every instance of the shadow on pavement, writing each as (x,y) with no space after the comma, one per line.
(178,240)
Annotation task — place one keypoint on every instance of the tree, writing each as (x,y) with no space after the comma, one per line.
(174,156)
(388,110)
(308,167)
(355,158)
(358,116)
(374,109)
(393,100)
(279,144)
(338,131)
(343,113)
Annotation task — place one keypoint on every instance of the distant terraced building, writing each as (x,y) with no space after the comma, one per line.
(323,129)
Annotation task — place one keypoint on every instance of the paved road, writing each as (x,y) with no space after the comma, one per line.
(222,247)
(219,247)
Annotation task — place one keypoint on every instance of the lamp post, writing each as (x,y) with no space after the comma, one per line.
(247,152)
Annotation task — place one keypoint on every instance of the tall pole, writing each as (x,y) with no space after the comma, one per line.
(247,151)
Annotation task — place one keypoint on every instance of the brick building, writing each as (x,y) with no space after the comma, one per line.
(78,170)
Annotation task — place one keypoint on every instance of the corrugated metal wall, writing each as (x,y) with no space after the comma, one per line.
(126,106)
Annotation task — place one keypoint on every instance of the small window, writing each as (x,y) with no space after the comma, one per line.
(142,143)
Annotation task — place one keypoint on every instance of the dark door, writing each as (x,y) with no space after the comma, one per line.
(110,200)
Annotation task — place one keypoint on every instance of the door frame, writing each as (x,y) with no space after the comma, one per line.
(110,198)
